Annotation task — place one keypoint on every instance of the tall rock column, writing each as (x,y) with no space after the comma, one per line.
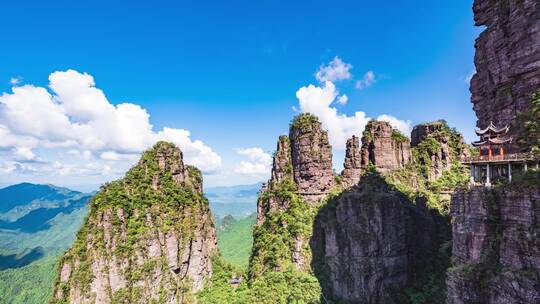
(302,175)
(384,147)
(311,158)
(282,172)
(507,59)
(148,237)
(352,166)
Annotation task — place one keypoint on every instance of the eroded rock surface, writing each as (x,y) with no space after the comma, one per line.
(352,166)
(507,59)
(496,249)
(148,237)
(311,156)
(442,147)
(383,147)
(368,242)
(301,176)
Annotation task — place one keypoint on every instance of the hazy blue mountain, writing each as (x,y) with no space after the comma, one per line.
(37,223)
(238,201)
(18,200)
(43,216)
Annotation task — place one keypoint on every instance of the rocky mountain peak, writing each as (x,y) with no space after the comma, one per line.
(352,166)
(282,166)
(422,131)
(438,147)
(311,156)
(384,147)
(165,158)
(148,237)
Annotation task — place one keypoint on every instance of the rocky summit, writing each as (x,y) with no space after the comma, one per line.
(507,59)
(301,176)
(311,156)
(384,147)
(440,147)
(352,166)
(148,237)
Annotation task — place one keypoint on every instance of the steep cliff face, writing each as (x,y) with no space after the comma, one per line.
(368,243)
(301,176)
(282,172)
(386,239)
(148,237)
(496,249)
(384,147)
(507,59)
(496,252)
(352,166)
(311,156)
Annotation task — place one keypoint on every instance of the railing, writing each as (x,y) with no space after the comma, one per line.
(490,158)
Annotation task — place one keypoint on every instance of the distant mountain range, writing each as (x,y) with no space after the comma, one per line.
(38,222)
(238,201)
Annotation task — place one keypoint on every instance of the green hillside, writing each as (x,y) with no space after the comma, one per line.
(236,239)
(29,284)
(37,222)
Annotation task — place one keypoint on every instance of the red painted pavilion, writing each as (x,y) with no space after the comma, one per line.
(494,163)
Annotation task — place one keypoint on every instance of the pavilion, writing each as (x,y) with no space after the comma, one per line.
(494,163)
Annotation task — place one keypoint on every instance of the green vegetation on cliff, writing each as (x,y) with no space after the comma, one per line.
(125,214)
(304,121)
(418,179)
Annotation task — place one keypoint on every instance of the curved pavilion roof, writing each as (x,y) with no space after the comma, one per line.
(494,141)
(493,129)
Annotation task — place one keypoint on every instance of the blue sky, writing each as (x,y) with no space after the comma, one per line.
(229,71)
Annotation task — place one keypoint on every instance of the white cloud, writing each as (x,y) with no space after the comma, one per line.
(114,156)
(258,163)
(196,153)
(24,154)
(366,81)
(318,100)
(335,70)
(404,126)
(342,100)
(255,154)
(75,114)
(15,80)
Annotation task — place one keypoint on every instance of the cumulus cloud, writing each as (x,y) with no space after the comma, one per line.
(318,100)
(257,164)
(334,71)
(24,154)
(74,113)
(367,80)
